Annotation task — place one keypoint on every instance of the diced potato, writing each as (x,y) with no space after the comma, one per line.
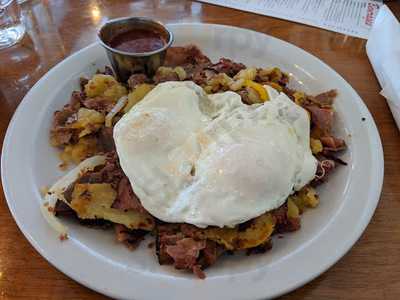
(131,219)
(180,72)
(137,94)
(316,146)
(275,86)
(258,233)
(88,120)
(299,98)
(293,211)
(299,202)
(88,116)
(253,96)
(262,93)
(270,75)
(232,239)
(306,197)
(93,201)
(263,74)
(61,136)
(310,198)
(105,85)
(90,198)
(217,82)
(99,84)
(163,71)
(166,71)
(85,147)
(208,89)
(115,92)
(275,75)
(224,236)
(246,74)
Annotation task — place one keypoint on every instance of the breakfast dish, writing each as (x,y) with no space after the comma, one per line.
(93,257)
(209,158)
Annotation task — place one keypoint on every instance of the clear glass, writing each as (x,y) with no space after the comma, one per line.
(11,28)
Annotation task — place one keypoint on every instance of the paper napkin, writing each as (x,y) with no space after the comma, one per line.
(383,50)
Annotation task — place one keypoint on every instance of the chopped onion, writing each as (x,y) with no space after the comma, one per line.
(56,192)
(117,107)
(47,210)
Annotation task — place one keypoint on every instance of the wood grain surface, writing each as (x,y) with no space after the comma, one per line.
(58,28)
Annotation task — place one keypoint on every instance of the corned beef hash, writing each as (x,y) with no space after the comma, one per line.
(209,158)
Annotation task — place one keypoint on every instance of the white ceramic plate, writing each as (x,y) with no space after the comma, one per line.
(93,258)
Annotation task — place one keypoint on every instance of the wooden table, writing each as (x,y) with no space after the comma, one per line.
(58,28)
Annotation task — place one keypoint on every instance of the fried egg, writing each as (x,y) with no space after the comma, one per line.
(210,160)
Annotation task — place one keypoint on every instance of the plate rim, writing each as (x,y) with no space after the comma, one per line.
(377,154)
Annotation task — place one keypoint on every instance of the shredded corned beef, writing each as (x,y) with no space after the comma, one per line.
(107,71)
(321,117)
(201,76)
(325,99)
(99,103)
(96,223)
(210,254)
(105,140)
(284,80)
(111,173)
(261,248)
(196,269)
(160,77)
(185,252)
(62,209)
(131,238)
(191,59)
(188,55)
(283,223)
(331,143)
(127,200)
(136,79)
(331,155)
(112,170)
(62,136)
(180,237)
(227,66)
(190,230)
(76,100)
(289,92)
(166,235)
(82,82)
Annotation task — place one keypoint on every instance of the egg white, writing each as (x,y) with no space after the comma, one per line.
(210,159)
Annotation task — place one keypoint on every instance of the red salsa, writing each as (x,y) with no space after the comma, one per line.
(138,41)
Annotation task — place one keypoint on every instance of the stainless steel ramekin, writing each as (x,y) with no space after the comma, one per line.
(127,63)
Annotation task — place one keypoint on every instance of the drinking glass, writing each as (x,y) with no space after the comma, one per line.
(11,28)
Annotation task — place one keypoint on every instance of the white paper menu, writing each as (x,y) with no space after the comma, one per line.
(351,17)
